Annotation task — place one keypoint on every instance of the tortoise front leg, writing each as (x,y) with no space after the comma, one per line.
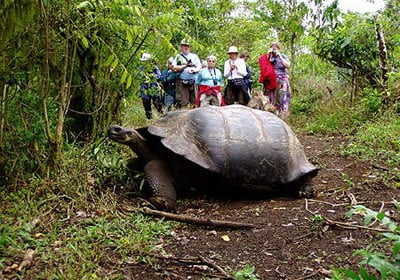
(307,188)
(161,190)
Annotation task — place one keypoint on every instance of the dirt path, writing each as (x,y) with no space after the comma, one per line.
(289,242)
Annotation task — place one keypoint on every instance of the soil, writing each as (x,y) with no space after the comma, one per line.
(291,241)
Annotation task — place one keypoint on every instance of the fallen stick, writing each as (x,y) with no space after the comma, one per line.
(343,224)
(200,260)
(216,267)
(197,221)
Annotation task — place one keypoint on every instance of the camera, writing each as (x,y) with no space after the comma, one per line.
(215,82)
(189,63)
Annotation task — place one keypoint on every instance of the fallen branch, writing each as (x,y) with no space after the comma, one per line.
(308,276)
(343,224)
(216,267)
(380,167)
(196,221)
(197,261)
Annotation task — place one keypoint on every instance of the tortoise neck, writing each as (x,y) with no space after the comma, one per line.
(142,148)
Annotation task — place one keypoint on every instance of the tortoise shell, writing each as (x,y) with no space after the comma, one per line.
(251,148)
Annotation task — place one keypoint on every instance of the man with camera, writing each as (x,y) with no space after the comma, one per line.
(187,65)
(235,71)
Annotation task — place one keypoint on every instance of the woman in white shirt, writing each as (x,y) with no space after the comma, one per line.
(235,71)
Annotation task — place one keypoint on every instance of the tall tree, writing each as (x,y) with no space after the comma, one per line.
(287,19)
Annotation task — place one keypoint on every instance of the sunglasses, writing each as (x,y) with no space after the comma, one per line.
(211,61)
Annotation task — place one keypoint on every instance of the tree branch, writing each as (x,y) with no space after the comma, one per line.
(195,221)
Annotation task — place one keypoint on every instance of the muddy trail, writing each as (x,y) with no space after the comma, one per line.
(291,241)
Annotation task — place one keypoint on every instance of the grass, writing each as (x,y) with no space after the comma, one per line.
(73,223)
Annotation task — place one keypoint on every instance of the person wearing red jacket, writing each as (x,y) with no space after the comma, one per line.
(274,77)
(209,81)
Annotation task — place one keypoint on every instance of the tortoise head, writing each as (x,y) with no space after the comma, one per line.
(124,135)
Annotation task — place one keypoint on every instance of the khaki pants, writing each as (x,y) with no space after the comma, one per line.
(185,93)
(210,100)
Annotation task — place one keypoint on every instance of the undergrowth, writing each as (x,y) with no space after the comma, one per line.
(380,260)
(73,222)
(372,130)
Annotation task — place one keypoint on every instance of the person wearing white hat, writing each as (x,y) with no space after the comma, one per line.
(187,64)
(145,57)
(149,89)
(235,71)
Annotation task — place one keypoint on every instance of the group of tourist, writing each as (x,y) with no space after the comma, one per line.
(188,82)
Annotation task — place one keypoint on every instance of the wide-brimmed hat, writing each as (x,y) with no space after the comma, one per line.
(185,42)
(233,49)
(145,57)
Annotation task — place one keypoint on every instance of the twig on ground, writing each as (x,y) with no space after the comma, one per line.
(329,203)
(353,200)
(380,210)
(193,220)
(215,266)
(200,260)
(304,235)
(380,167)
(346,203)
(281,274)
(343,224)
(308,276)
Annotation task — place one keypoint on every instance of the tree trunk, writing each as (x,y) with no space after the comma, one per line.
(2,112)
(382,53)
(63,96)
(46,82)
(292,53)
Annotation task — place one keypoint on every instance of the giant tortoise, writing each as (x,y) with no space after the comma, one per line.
(223,147)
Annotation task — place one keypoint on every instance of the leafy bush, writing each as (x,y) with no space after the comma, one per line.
(372,101)
(375,264)
(25,148)
(378,139)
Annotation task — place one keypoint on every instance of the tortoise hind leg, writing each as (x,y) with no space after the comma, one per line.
(159,185)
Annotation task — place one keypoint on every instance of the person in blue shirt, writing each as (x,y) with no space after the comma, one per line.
(149,89)
(209,81)
(187,64)
(247,79)
(168,81)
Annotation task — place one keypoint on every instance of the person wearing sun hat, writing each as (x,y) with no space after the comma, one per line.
(235,71)
(150,90)
(187,65)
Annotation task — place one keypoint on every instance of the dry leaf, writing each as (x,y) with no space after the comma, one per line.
(10,268)
(28,258)
(225,238)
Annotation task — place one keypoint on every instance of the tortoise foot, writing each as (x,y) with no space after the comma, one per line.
(163,203)
(307,191)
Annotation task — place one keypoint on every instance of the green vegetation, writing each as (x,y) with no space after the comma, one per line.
(376,263)
(71,220)
(246,273)
(68,69)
